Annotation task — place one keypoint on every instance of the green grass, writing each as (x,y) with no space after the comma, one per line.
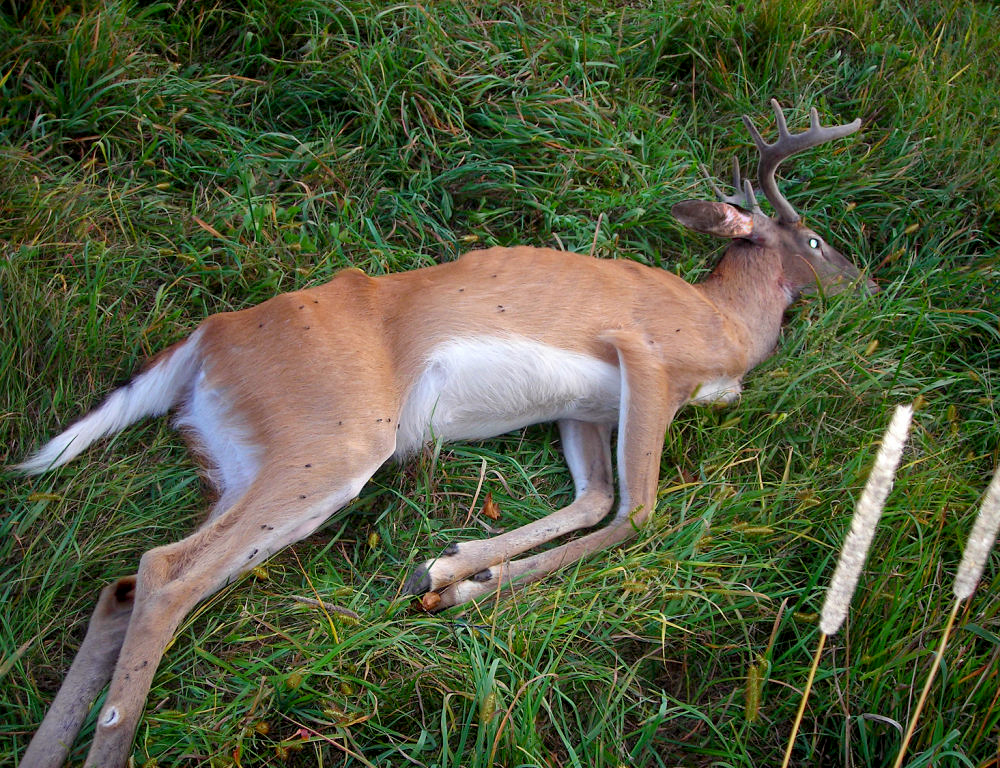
(160,162)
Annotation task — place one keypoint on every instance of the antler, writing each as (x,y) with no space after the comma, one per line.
(744,197)
(787,145)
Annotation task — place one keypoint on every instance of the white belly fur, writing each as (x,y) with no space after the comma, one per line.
(476,388)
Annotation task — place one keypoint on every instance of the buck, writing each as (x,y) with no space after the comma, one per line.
(295,403)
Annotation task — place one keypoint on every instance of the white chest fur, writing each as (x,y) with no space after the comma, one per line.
(476,388)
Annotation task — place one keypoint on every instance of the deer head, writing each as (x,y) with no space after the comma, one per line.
(808,262)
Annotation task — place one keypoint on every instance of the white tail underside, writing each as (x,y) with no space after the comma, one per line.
(151,393)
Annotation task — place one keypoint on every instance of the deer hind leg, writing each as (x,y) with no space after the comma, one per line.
(89,673)
(289,499)
(587,447)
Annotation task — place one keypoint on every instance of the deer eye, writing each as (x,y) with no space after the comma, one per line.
(814,243)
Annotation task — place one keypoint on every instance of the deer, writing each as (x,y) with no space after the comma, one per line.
(293,404)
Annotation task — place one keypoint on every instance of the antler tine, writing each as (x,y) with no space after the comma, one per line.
(758,140)
(779,118)
(750,197)
(711,182)
(744,196)
(737,176)
(788,144)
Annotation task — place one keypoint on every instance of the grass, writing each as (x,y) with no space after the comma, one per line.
(160,162)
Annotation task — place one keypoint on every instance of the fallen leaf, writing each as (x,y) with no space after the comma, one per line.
(490,508)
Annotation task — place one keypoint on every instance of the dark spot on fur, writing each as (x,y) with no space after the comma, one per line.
(253,554)
(378,421)
(461,290)
(302,495)
(678,330)
(306,327)
(389,420)
(123,591)
(302,306)
(308,466)
(340,423)
(315,301)
(261,325)
(492,275)
(263,527)
(500,307)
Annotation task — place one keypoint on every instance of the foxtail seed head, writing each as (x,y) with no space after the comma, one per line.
(866,516)
(981,540)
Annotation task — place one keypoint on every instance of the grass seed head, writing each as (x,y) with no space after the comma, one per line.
(866,517)
(981,540)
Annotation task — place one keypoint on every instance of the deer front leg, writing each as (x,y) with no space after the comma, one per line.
(587,448)
(647,408)
(88,674)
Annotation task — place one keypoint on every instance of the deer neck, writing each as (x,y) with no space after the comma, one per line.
(749,289)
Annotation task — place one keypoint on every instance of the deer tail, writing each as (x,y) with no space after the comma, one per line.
(153,392)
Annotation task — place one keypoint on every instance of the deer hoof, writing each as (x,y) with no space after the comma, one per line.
(419,581)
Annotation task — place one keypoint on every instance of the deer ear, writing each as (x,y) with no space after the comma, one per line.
(714,218)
